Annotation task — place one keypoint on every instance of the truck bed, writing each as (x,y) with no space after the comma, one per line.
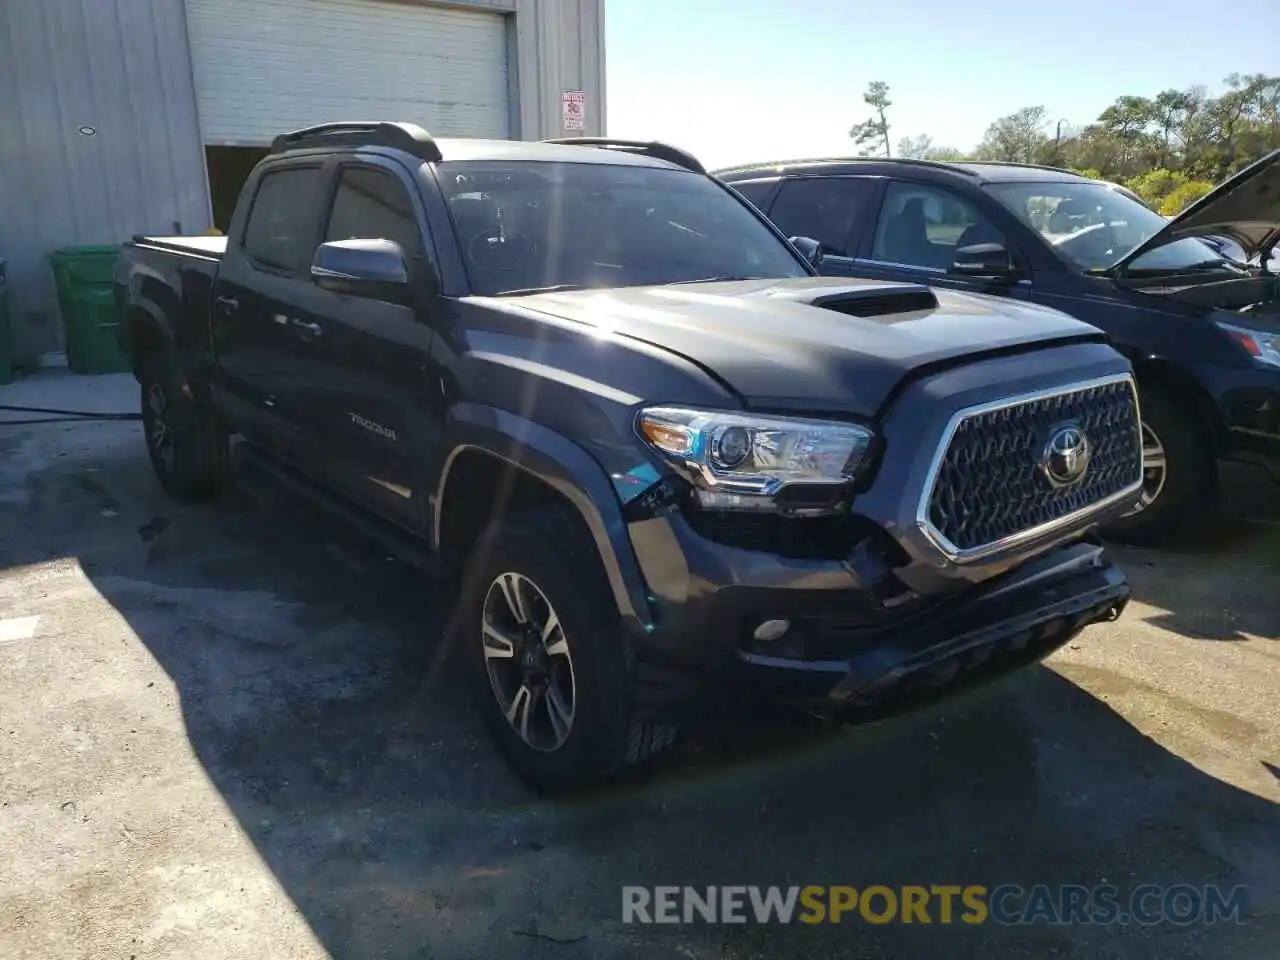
(213,247)
(165,284)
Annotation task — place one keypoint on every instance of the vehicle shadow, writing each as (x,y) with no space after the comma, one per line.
(310,691)
(1218,581)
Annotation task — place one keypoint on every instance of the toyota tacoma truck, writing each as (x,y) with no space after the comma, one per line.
(658,455)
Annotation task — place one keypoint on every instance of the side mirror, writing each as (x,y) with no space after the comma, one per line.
(810,249)
(362,268)
(985,261)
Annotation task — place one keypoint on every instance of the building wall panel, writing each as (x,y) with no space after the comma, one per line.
(122,69)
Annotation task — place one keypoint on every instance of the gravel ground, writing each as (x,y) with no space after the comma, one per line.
(223,736)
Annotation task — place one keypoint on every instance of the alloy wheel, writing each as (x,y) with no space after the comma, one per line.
(1155,470)
(528,661)
(159,432)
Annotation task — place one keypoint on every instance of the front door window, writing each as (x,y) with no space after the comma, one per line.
(923,226)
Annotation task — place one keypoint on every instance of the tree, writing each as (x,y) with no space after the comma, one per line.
(870,135)
(1171,109)
(1017,138)
(1127,122)
(1183,196)
(1168,148)
(915,148)
(1156,185)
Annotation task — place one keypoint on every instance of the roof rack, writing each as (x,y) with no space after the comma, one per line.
(372,133)
(766,166)
(1014,163)
(648,148)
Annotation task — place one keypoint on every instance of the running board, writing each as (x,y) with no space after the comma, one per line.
(248,459)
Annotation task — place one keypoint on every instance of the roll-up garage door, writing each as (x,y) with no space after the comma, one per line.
(266,66)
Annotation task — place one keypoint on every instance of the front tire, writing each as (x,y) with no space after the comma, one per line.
(1179,473)
(550,668)
(186,443)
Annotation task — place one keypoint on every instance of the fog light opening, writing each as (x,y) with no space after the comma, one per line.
(771,631)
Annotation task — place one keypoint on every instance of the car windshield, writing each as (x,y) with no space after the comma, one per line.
(1092,227)
(525,226)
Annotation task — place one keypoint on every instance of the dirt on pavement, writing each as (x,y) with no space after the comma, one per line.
(226,737)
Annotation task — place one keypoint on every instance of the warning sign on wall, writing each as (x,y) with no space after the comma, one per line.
(575,109)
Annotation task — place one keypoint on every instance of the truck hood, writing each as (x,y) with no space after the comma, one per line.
(1245,208)
(813,343)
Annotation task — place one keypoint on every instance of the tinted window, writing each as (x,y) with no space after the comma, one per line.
(826,209)
(373,205)
(529,225)
(281,225)
(922,226)
(755,190)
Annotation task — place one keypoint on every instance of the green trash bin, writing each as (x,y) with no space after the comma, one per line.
(6,331)
(83,277)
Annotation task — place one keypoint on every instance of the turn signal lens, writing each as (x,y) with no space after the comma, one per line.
(667,437)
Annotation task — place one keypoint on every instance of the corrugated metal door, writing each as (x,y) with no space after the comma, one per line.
(266,66)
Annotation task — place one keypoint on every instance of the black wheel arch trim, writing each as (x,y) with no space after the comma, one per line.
(566,468)
(143,312)
(1184,390)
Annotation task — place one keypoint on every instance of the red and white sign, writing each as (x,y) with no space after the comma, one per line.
(575,109)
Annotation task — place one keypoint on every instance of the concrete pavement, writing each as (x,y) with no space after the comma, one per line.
(222,736)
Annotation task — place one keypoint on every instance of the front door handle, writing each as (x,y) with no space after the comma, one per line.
(307,329)
(227,305)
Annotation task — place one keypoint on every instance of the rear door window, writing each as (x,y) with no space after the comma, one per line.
(827,209)
(282,221)
(756,191)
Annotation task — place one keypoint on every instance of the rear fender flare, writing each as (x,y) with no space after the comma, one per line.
(143,314)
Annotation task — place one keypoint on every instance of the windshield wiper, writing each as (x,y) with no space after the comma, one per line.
(1187,268)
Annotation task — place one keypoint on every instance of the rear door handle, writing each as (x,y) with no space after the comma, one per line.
(306,329)
(227,305)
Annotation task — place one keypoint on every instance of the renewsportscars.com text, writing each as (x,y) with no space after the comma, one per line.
(1008,904)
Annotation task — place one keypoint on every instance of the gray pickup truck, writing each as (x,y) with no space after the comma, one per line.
(660,456)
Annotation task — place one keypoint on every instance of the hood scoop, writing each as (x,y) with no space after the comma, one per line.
(878,300)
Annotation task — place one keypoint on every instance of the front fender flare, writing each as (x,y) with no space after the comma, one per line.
(566,468)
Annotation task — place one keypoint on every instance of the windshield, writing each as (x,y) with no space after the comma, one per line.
(526,226)
(1092,226)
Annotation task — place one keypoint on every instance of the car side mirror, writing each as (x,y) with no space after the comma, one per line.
(985,261)
(810,249)
(375,269)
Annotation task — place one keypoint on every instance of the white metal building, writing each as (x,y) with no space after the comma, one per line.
(144,116)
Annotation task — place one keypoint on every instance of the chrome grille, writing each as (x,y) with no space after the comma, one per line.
(990,489)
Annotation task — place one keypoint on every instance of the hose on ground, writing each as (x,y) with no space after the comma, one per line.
(62,416)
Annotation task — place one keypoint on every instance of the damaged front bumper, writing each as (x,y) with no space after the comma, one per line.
(846,667)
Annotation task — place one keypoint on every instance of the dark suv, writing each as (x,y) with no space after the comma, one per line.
(1202,329)
(658,454)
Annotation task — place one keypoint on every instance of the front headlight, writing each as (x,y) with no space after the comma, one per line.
(739,461)
(1262,346)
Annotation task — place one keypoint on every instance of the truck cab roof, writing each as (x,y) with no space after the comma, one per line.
(413,139)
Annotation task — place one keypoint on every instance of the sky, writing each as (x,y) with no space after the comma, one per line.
(735,81)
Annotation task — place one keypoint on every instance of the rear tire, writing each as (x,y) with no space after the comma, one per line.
(187,445)
(557,690)
(1179,495)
